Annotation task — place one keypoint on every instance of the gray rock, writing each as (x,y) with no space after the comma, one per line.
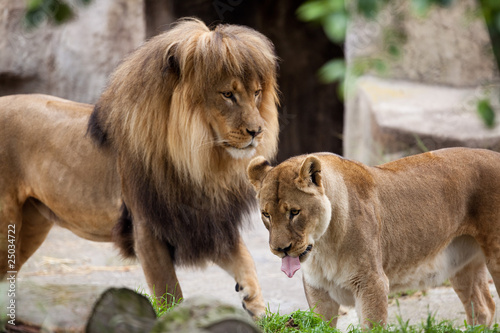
(426,97)
(73,60)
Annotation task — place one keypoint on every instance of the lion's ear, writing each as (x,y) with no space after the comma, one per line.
(170,62)
(257,170)
(310,174)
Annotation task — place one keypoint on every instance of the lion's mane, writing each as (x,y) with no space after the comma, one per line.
(152,116)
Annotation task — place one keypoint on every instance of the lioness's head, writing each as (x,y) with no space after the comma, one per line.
(294,206)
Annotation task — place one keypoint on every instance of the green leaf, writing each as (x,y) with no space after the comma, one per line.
(421,7)
(62,13)
(379,65)
(34,4)
(335,26)
(497,21)
(486,112)
(394,50)
(334,70)
(312,11)
(34,17)
(444,3)
(368,8)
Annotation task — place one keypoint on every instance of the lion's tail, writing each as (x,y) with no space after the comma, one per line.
(123,234)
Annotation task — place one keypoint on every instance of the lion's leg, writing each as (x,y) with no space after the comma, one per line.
(241,266)
(33,232)
(157,264)
(320,300)
(10,225)
(471,286)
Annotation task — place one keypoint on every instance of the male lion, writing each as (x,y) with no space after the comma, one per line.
(361,232)
(175,129)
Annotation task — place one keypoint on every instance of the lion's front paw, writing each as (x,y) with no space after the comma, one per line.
(252,300)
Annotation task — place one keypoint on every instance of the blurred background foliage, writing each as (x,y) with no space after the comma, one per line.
(54,11)
(333,16)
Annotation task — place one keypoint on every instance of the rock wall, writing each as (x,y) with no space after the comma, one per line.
(421,78)
(73,60)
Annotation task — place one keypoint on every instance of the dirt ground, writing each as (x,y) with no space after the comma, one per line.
(59,284)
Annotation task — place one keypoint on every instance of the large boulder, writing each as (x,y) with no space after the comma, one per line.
(423,77)
(72,60)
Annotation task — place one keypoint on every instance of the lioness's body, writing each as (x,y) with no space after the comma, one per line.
(411,223)
(50,172)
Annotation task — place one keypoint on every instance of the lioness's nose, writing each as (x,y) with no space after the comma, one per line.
(284,250)
(254,133)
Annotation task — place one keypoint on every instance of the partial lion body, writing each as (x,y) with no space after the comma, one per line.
(173,133)
(407,224)
(52,173)
(194,105)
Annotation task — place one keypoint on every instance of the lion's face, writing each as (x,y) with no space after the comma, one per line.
(293,203)
(235,117)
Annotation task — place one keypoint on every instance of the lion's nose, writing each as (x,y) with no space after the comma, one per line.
(284,250)
(254,133)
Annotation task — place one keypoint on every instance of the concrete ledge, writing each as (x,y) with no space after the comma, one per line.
(389,119)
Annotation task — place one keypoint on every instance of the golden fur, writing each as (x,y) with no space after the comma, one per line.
(361,232)
(51,174)
(179,68)
(193,106)
(173,145)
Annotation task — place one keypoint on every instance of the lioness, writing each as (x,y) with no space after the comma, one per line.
(361,232)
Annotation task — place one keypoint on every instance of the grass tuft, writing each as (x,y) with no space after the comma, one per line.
(298,321)
(160,308)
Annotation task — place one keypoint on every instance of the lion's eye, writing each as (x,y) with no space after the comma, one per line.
(266,215)
(257,92)
(227,94)
(294,212)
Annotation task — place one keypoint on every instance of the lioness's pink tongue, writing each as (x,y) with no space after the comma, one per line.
(289,265)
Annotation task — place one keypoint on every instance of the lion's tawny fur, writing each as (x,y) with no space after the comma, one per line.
(157,109)
(174,172)
(171,137)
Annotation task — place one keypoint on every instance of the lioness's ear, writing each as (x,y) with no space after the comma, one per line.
(257,170)
(310,173)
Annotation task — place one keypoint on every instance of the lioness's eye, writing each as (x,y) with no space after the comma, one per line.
(227,94)
(266,215)
(257,92)
(294,212)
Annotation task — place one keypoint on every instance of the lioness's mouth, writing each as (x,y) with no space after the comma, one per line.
(289,265)
(308,249)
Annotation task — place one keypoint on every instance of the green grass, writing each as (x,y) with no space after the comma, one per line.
(159,307)
(308,321)
(298,321)
(311,322)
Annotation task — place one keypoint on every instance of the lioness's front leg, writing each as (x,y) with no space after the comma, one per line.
(370,294)
(157,264)
(320,300)
(241,266)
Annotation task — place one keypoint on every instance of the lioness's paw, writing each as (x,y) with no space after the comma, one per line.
(252,301)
